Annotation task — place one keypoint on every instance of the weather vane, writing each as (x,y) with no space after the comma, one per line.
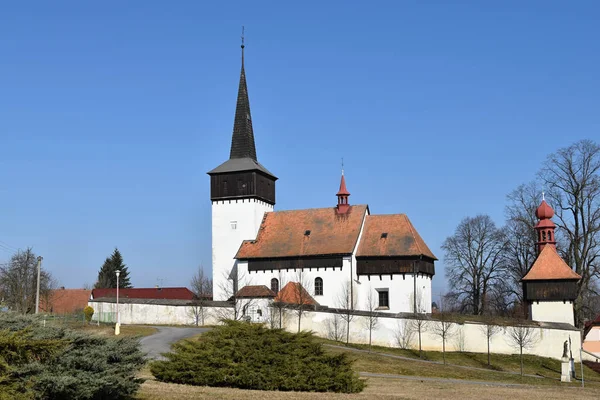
(342,165)
(242,36)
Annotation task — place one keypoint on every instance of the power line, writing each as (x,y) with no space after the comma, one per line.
(8,246)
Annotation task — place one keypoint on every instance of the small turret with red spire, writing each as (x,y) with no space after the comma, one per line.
(342,195)
(545,227)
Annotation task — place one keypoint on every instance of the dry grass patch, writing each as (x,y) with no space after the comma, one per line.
(378,388)
(533,365)
(108,330)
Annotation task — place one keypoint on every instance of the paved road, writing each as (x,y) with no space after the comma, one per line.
(161,341)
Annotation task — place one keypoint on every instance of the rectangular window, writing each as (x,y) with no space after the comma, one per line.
(233,225)
(384,298)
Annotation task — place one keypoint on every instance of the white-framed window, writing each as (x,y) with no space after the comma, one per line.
(233,225)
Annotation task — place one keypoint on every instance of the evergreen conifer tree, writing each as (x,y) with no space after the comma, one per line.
(107,277)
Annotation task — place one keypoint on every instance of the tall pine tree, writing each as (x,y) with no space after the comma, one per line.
(107,276)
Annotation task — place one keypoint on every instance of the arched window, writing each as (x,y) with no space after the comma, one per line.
(543,236)
(275,285)
(318,286)
(550,235)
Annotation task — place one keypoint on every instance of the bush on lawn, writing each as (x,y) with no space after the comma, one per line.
(56,363)
(250,356)
(88,311)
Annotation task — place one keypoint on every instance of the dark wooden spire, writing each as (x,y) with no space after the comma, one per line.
(242,141)
(242,176)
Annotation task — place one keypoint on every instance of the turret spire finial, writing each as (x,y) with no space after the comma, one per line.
(242,46)
(342,165)
(543,196)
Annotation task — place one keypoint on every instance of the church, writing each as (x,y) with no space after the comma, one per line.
(344,256)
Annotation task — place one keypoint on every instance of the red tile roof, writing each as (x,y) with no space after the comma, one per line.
(294,293)
(284,233)
(550,266)
(255,291)
(174,293)
(65,301)
(391,235)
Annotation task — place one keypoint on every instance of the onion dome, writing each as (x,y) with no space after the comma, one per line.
(544,211)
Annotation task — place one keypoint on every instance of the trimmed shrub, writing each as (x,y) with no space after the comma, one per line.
(88,311)
(57,363)
(250,356)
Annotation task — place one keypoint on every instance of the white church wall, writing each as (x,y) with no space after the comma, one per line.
(400,291)
(553,311)
(333,281)
(232,222)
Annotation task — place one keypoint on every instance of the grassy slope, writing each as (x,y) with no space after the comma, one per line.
(533,365)
(548,387)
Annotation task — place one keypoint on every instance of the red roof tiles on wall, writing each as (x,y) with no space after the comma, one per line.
(255,291)
(173,293)
(391,235)
(310,232)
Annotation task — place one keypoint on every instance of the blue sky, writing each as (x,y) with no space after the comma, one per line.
(111,114)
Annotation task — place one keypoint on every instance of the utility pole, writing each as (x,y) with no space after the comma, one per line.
(118,325)
(37,293)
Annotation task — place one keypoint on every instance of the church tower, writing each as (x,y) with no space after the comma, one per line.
(550,285)
(241,191)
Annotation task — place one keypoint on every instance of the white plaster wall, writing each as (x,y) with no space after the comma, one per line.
(549,342)
(553,311)
(593,335)
(400,288)
(255,310)
(154,314)
(226,241)
(333,281)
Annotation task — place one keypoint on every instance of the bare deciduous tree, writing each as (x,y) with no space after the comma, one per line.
(346,303)
(303,300)
(404,333)
(371,320)
(444,328)
(475,263)
(18,281)
(572,177)
(278,311)
(521,337)
(460,341)
(489,330)
(335,328)
(521,239)
(202,287)
(230,287)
